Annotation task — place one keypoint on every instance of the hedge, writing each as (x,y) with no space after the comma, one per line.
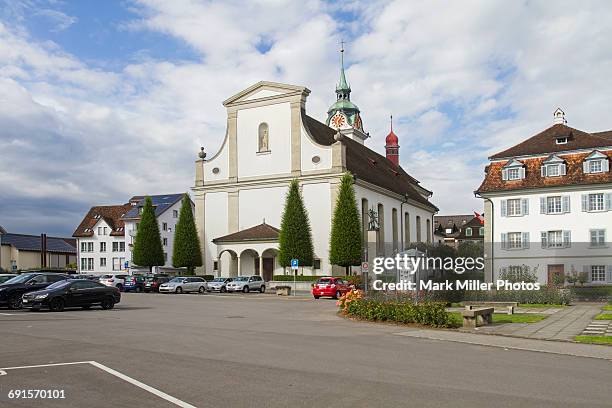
(299,278)
(398,311)
(549,295)
(592,292)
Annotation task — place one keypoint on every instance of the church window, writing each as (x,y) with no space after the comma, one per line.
(263,138)
(216,170)
(316,159)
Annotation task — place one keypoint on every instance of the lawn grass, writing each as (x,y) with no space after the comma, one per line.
(604,316)
(539,305)
(608,307)
(594,339)
(503,318)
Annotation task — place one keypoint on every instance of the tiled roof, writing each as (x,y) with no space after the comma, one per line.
(261,232)
(475,224)
(160,202)
(447,221)
(533,178)
(368,165)
(545,142)
(109,213)
(32,243)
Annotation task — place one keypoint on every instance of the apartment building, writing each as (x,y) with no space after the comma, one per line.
(548,205)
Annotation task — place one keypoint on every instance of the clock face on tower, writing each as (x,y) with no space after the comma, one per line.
(338,120)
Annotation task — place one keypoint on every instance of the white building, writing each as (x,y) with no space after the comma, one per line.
(548,205)
(103,245)
(270,140)
(100,238)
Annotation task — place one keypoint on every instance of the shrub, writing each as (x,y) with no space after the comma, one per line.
(299,278)
(592,292)
(519,273)
(395,310)
(546,295)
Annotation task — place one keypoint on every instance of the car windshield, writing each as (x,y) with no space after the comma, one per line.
(6,278)
(181,280)
(325,281)
(106,276)
(219,280)
(59,284)
(21,278)
(241,279)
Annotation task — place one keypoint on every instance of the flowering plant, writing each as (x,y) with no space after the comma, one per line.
(348,297)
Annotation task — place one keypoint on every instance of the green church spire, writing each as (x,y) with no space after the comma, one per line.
(343,86)
(343,113)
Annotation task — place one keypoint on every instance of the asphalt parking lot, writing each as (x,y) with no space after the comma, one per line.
(253,350)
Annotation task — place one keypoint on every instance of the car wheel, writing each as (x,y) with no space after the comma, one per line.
(262,289)
(245,289)
(56,305)
(223,289)
(338,295)
(178,290)
(202,289)
(15,302)
(316,297)
(120,287)
(108,303)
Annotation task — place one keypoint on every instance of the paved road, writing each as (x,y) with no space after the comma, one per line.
(264,351)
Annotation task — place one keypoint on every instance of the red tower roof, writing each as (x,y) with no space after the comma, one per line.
(391,139)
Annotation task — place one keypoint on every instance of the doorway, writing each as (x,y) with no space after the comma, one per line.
(555,270)
(268,269)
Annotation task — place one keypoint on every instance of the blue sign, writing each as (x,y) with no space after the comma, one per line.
(125,265)
(294,264)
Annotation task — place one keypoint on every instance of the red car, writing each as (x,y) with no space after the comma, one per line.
(330,286)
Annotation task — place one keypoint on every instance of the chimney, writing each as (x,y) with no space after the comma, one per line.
(559,117)
(392,146)
(43,250)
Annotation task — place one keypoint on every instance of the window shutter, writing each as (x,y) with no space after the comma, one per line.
(565,204)
(544,238)
(567,239)
(587,269)
(504,174)
(525,243)
(585,167)
(605,165)
(562,169)
(504,208)
(525,206)
(543,170)
(609,273)
(608,197)
(585,202)
(542,205)
(504,240)
(522,173)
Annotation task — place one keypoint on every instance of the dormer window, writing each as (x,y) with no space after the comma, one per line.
(596,162)
(513,170)
(554,166)
(562,140)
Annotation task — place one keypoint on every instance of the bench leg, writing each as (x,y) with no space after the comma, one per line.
(469,322)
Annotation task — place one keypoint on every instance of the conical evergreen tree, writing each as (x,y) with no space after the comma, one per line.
(295,238)
(346,234)
(186,251)
(148,249)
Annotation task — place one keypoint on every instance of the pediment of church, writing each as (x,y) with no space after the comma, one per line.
(265,90)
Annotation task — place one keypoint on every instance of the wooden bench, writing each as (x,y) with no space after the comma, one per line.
(473,317)
(501,307)
(283,290)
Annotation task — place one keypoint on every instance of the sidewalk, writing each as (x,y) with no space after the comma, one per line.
(565,324)
(505,342)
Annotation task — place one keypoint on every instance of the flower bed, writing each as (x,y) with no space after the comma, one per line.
(395,309)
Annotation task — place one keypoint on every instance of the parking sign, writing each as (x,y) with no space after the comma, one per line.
(294,264)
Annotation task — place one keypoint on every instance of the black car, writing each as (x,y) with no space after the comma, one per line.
(13,289)
(152,283)
(72,293)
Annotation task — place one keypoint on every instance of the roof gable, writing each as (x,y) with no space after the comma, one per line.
(264,90)
(261,232)
(513,163)
(25,242)
(161,204)
(110,213)
(596,154)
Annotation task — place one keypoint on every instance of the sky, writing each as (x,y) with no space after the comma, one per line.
(103,100)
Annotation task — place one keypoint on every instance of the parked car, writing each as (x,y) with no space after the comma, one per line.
(72,293)
(330,286)
(219,285)
(6,276)
(134,283)
(246,284)
(182,284)
(13,289)
(117,281)
(152,283)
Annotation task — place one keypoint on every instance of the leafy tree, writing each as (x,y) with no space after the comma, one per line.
(295,238)
(186,251)
(148,249)
(346,235)
(470,249)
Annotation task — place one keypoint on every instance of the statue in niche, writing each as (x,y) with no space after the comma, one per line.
(264,138)
(373,222)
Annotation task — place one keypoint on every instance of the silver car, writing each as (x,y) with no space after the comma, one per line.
(219,284)
(184,284)
(246,284)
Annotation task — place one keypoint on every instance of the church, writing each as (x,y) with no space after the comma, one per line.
(270,140)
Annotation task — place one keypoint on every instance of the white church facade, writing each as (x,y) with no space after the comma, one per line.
(239,192)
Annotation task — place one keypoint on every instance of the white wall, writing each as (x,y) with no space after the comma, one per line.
(96,239)
(255,204)
(309,149)
(317,200)
(215,218)
(278,160)
(221,162)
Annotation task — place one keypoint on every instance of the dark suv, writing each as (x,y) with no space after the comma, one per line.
(13,289)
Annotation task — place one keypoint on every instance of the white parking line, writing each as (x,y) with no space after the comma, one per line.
(7,314)
(116,373)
